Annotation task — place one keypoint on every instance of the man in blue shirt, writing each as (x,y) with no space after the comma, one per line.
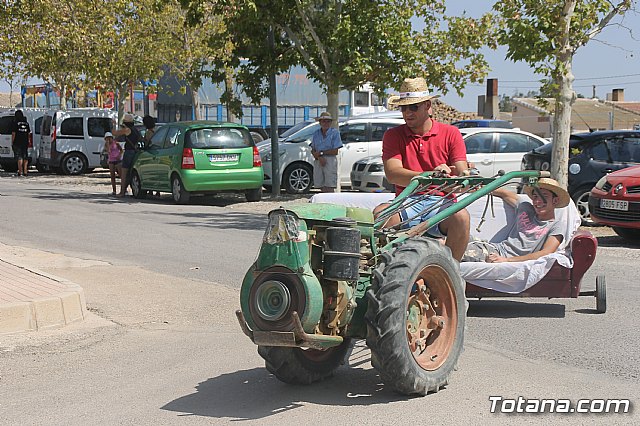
(325,144)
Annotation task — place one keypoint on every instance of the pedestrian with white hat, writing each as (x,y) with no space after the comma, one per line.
(325,144)
(114,153)
(422,145)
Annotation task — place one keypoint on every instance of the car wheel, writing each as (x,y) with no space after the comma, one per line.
(298,178)
(581,198)
(180,195)
(136,186)
(630,234)
(74,164)
(257,137)
(254,194)
(10,168)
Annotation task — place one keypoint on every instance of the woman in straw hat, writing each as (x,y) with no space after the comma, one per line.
(421,145)
(536,232)
(325,144)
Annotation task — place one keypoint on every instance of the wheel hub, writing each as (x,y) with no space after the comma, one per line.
(431,320)
(272,300)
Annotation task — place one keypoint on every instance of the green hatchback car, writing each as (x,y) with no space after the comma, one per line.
(199,157)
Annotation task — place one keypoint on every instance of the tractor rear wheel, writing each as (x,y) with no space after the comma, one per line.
(298,366)
(416,316)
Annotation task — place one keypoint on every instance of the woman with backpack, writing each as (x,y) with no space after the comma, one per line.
(132,138)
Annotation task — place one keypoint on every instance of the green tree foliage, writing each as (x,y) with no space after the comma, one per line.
(546,35)
(345,43)
(199,32)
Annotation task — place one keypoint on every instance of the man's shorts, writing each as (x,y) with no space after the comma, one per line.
(327,175)
(127,158)
(427,203)
(20,152)
(477,251)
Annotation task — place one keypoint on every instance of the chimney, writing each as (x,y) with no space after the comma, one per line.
(491,99)
(617,95)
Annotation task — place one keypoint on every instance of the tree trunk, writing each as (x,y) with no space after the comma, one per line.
(196,104)
(63,97)
(122,99)
(564,101)
(562,130)
(332,104)
(228,87)
(332,108)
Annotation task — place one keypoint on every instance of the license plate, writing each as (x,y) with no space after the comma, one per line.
(614,204)
(5,151)
(223,158)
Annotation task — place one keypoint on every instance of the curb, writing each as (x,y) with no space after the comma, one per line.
(40,301)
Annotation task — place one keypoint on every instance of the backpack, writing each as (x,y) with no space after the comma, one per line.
(134,139)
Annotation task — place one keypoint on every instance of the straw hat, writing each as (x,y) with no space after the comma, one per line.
(324,116)
(553,186)
(412,91)
(128,118)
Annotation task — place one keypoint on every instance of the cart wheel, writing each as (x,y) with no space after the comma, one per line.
(601,294)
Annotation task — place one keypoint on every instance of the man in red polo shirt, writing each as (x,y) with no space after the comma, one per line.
(420,145)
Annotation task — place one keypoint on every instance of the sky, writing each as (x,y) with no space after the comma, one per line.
(602,62)
(610,61)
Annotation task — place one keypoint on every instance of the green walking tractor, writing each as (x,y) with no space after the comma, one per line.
(327,274)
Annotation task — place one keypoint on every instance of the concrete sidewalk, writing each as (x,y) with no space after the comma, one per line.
(33,300)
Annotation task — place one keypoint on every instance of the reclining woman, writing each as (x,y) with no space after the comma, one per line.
(536,232)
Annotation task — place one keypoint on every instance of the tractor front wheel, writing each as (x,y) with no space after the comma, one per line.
(298,366)
(415,316)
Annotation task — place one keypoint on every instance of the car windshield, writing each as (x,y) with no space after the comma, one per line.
(304,134)
(218,137)
(295,128)
(574,140)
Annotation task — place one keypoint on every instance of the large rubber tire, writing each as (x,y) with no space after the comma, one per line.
(601,294)
(10,168)
(74,163)
(180,195)
(304,366)
(136,185)
(581,198)
(414,287)
(298,178)
(253,195)
(630,234)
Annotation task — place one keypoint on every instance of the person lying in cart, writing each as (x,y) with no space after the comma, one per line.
(536,232)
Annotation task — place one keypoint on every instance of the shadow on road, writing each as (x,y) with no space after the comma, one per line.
(255,394)
(616,241)
(227,220)
(513,309)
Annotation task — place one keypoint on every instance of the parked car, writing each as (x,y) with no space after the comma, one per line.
(361,137)
(72,140)
(489,149)
(34,117)
(591,156)
(463,124)
(199,157)
(615,202)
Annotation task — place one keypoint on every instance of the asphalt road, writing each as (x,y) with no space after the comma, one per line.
(163,347)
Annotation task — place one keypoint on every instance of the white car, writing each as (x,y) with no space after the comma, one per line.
(489,149)
(361,137)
